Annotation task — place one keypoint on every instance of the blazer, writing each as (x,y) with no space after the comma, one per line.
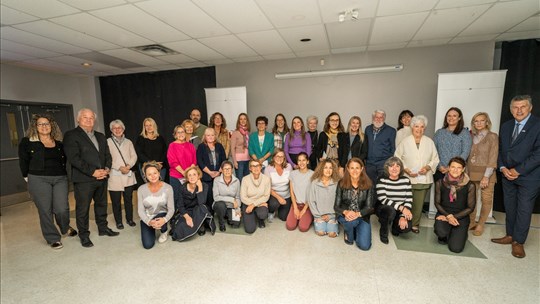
(524,153)
(83,156)
(358,148)
(32,156)
(203,159)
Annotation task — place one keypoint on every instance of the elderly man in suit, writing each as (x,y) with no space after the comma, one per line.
(519,163)
(88,153)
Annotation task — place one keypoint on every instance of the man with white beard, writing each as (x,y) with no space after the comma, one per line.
(381,144)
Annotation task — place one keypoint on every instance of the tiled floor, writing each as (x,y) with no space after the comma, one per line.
(271,266)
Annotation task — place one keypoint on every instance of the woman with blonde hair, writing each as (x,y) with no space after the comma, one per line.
(482,163)
(189,127)
(280,195)
(151,146)
(210,156)
(353,143)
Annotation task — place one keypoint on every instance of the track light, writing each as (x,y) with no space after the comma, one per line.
(353,14)
(341,17)
(379,69)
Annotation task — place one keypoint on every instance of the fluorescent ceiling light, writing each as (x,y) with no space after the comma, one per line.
(322,73)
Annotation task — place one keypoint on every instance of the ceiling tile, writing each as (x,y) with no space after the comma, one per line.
(26,49)
(11,56)
(316,33)
(330,9)
(166,67)
(348,34)
(389,46)
(238,16)
(56,66)
(138,21)
(265,42)
(393,7)
(469,39)
(530,24)
(64,34)
(312,53)
(218,61)
(519,35)
(279,56)
(394,29)
(134,56)
(491,22)
(184,16)
(431,42)
(87,5)
(349,50)
(96,27)
(41,8)
(449,22)
(248,59)
(194,65)
(194,49)
(461,3)
(178,58)
(34,40)
(297,13)
(10,16)
(77,61)
(142,70)
(229,46)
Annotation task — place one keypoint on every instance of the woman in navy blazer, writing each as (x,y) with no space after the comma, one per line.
(210,155)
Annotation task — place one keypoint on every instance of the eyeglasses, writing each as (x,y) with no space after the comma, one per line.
(43,124)
(334,120)
(279,156)
(254,166)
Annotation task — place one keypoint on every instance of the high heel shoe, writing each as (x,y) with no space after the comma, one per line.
(202,231)
(346,241)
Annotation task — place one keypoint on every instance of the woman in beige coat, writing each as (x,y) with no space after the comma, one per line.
(121,178)
(420,158)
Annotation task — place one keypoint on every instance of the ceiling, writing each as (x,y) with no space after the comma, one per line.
(60,35)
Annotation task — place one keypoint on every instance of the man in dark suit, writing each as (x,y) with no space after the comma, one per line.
(519,163)
(88,153)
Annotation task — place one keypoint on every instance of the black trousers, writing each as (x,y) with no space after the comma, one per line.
(283,210)
(456,235)
(251,219)
(117,205)
(84,194)
(388,215)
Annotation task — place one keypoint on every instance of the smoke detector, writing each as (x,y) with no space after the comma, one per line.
(154,50)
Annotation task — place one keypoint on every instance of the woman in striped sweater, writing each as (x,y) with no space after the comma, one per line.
(394,195)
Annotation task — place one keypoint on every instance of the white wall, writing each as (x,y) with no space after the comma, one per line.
(22,84)
(415,88)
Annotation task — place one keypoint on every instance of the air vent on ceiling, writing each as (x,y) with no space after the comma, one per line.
(154,50)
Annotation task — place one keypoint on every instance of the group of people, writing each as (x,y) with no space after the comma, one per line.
(294,174)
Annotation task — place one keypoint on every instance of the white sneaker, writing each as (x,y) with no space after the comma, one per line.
(270,217)
(163,237)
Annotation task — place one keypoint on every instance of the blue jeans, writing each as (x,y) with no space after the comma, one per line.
(357,230)
(243,169)
(148,234)
(327,227)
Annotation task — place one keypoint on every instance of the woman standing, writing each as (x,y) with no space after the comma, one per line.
(239,146)
(210,156)
(353,143)
(394,194)
(151,146)
(279,130)
(192,211)
(404,128)
(455,197)
(312,122)
(482,164)
(181,156)
(121,178)
(227,197)
(280,196)
(43,166)
(299,215)
(322,196)
(354,204)
(218,123)
(296,141)
(191,137)
(327,146)
(452,140)
(156,206)
(255,192)
(261,143)
(419,157)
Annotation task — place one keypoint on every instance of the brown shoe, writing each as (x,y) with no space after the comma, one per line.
(517,250)
(505,240)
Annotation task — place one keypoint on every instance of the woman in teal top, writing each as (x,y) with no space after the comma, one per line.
(261,143)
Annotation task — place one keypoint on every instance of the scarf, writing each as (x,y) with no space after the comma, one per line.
(245,133)
(454,184)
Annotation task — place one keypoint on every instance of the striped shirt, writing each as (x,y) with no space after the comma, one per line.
(395,193)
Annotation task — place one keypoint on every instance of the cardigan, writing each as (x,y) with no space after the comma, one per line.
(358,148)
(451,145)
(483,155)
(239,147)
(414,158)
(257,150)
(117,180)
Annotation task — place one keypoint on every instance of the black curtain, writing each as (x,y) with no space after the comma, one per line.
(522,60)
(168,97)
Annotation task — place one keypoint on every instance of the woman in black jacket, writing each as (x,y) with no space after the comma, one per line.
(43,166)
(353,143)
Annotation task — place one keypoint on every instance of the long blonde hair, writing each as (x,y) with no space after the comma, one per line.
(360,132)
(151,120)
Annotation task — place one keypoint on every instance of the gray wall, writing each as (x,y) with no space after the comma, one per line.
(414,88)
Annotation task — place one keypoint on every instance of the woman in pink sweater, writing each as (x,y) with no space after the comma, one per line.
(181,155)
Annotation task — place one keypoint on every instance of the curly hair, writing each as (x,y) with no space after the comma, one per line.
(223,122)
(319,171)
(32,132)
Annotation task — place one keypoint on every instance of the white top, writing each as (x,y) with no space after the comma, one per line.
(280,183)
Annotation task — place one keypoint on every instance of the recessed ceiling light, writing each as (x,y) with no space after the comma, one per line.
(86,64)
(305,39)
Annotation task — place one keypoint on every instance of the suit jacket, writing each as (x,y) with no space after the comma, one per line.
(524,153)
(358,148)
(83,156)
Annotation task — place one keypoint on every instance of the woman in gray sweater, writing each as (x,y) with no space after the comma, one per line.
(322,194)
(226,191)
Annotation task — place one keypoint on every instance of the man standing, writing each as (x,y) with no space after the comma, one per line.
(88,153)
(381,144)
(195,116)
(519,163)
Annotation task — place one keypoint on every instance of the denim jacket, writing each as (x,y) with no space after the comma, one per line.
(365,201)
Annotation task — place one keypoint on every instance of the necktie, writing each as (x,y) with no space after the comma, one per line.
(516,132)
